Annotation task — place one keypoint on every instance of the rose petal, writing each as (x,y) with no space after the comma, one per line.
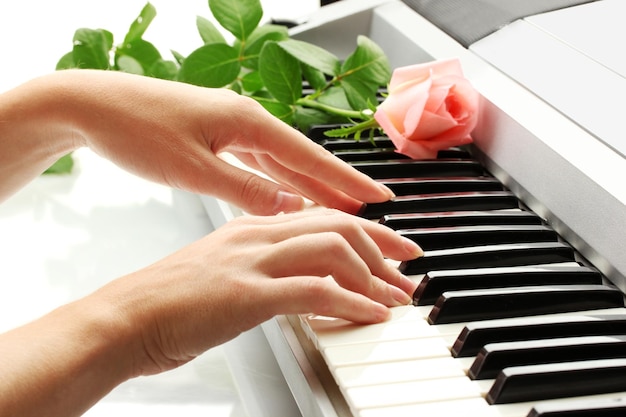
(446,67)
(429,149)
(409,74)
(388,127)
(437,98)
(404,110)
(432,125)
(416,150)
(415,104)
(465,97)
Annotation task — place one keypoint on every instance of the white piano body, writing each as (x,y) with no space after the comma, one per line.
(551,129)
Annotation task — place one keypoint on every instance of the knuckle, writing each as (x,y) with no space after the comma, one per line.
(254,110)
(252,190)
(347,226)
(318,291)
(322,158)
(238,225)
(335,243)
(340,219)
(242,230)
(331,212)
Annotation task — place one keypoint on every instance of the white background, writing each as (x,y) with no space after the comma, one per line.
(34,34)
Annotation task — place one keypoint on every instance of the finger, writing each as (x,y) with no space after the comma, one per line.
(315,190)
(351,232)
(250,192)
(390,243)
(368,239)
(329,254)
(296,152)
(303,295)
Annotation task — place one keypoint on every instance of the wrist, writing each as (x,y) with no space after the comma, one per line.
(35,130)
(39,114)
(65,361)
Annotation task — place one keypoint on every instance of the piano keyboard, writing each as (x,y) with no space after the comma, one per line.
(559,155)
(508,319)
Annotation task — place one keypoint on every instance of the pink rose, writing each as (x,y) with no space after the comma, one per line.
(430,107)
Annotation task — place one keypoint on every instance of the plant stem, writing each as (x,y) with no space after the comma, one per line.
(350,114)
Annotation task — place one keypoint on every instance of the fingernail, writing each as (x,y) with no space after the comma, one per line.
(413,248)
(287,202)
(400,296)
(386,190)
(379,312)
(408,284)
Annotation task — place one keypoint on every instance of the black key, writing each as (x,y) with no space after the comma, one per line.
(605,407)
(459,218)
(494,357)
(496,303)
(361,155)
(570,379)
(412,186)
(436,283)
(453,153)
(489,256)
(463,236)
(379,142)
(487,200)
(477,334)
(421,168)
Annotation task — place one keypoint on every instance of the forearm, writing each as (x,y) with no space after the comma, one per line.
(36,128)
(64,362)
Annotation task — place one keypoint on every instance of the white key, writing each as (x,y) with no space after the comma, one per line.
(419,396)
(413,392)
(395,350)
(406,323)
(403,371)
(473,407)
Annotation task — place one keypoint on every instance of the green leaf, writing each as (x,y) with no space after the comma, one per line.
(208,32)
(180,58)
(335,97)
(316,78)
(91,48)
(305,118)
(283,111)
(66,62)
(363,72)
(367,62)
(63,165)
(257,39)
(312,55)
(142,51)
(280,73)
(130,65)
(236,87)
(238,17)
(360,93)
(165,70)
(141,23)
(212,65)
(252,81)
